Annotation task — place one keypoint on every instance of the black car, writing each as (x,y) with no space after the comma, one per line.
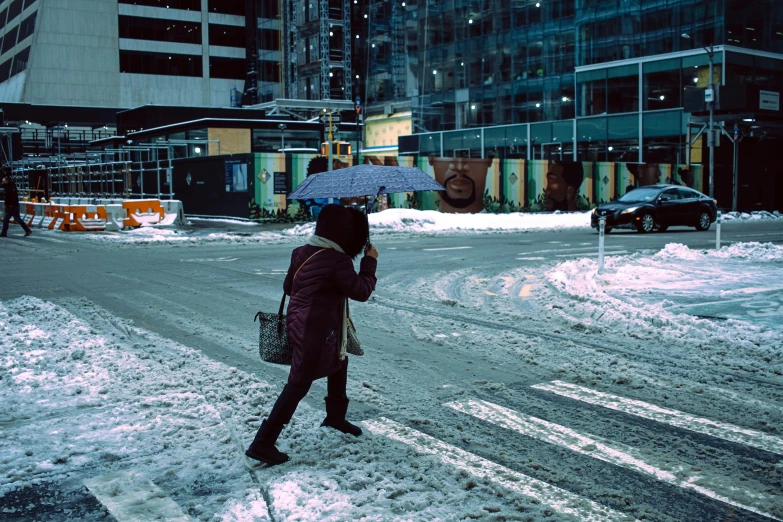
(658,207)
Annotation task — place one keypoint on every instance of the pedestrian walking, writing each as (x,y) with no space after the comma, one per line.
(12,207)
(320,281)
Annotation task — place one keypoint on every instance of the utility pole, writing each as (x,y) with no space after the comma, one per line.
(329,143)
(282,137)
(709,97)
(712,135)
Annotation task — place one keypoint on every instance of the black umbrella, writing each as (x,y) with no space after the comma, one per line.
(364,180)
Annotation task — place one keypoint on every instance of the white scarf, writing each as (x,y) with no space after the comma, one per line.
(322,242)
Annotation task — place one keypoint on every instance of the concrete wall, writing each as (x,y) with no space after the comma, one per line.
(74,60)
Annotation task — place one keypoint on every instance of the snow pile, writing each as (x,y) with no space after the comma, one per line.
(754,251)
(86,396)
(433,222)
(643,295)
(753,216)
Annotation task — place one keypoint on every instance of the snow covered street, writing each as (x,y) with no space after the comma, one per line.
(504,379)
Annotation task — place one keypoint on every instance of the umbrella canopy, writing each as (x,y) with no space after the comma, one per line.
(364,180)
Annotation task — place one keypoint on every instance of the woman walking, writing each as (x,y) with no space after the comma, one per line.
(320,281)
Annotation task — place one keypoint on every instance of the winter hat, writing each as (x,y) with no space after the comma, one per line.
(345,226)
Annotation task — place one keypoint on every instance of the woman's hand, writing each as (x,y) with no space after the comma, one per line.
(370,251)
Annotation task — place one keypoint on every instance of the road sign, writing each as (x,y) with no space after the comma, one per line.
(334,118)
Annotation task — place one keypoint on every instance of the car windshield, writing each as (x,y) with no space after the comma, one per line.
(641,194)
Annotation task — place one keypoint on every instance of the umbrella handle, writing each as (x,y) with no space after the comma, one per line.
(369,207)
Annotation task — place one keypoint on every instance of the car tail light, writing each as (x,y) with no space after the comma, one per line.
(716,201)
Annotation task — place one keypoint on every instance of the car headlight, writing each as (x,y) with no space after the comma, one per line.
(630,210)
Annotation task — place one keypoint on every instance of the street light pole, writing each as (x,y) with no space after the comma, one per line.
(712,136)
(282,137)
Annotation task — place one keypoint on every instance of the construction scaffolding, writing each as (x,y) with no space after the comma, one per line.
(128,172)
(316,49)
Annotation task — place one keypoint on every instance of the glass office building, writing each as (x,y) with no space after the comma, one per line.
(593,80)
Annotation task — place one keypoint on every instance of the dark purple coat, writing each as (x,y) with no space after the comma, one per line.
(314,317)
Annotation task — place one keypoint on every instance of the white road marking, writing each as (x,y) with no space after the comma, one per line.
(611,452)
(446,248)
(525,292)
(720,430)
(558,499)
(530,259)
(131,497)
(588,254)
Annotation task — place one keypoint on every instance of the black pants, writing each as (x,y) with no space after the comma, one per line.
(292,395)
(14,213)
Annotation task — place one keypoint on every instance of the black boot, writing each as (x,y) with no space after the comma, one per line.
(263,446)
(335,417)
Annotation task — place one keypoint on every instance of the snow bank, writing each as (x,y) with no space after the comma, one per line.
(432,222)
(753,216)
(647,295)
(754,251)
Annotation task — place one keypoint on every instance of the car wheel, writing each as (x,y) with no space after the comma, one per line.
(646,224)
(607,230)
(704,221)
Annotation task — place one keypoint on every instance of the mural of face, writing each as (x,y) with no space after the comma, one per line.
(647,174)
(562,185)
(465,180)
(686,175)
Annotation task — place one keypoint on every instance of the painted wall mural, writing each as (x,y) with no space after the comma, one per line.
(478,184)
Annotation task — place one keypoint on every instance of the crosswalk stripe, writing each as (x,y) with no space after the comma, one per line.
(131,497)
(607,451)
(558,499)
(720,430)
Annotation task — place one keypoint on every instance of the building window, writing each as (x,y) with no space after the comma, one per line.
(139,28)
(3,15)
(229,7)
(623,89)
(188,5)
(5,70)
(227,68)
(268,71)
(623,134)
(663,134)
(10,39)
(269,40)
(591,93)
(20,61)
(14,10)
(663,84)
(27,27)
(160,63)
(226,35)
(268,10)
(28,3)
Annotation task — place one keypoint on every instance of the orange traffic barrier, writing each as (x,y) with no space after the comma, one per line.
(143,212)
(85,218)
